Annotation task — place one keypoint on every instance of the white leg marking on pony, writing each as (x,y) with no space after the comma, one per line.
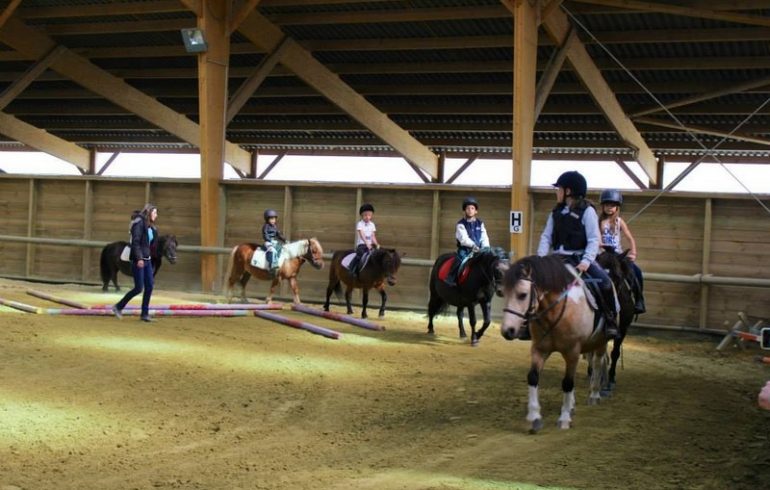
(533,406)
(568,404)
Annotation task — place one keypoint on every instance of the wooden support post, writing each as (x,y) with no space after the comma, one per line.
(524,74)
(271,166)
(88,224)
(658,184)
(253,164)
(359,202)
(462,169)
(705,261)
(148,192)
(435,228)
(108,163)
(288,210)
(212,98)
(623,166)
(441,168)
(31,222)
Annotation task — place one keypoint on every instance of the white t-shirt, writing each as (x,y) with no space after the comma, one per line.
(367,229)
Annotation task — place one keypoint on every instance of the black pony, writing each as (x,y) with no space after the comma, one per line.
(619,268)
(381,267)
(484,279)
(110,262)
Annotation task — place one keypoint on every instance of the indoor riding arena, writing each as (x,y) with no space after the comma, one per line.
(220,391)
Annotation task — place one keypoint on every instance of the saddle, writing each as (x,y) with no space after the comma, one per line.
(259,259)
(346,261)
(462,274)
(594,297)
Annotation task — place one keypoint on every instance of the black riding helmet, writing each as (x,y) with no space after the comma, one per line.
(365,207)
(270,213)
(470,200)
(573,181)
(611,196)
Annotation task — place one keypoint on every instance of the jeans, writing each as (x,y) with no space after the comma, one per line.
(143,280)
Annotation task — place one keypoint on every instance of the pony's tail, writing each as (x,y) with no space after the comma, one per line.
(226,284)
(104,265)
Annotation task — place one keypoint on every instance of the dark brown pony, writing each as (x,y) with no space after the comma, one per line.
(381,267)
(110,263)
(619,268)
(549,296)
(239,268)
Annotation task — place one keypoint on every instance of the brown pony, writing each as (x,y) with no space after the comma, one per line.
(239,268)
(549,296)
(381,267)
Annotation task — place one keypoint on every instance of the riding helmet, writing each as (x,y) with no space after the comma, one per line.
(470,200)
(611,196)
(365,207)
(574,181)
(270,213)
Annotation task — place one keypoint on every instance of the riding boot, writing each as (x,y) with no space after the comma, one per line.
(269,261)
(524,333)
(353,266)
(451,277)
(639,306)
(610,322)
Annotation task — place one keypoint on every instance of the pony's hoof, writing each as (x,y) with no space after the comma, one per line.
(606,392)
(381,315)
(463,335)
(564,424)
(431,333)
(594,401)
(537,424)
(475,341)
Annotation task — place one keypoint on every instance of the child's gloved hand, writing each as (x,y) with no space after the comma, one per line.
(475,249)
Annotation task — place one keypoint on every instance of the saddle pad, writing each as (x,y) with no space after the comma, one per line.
(346,260)
(259,261)
(443,271)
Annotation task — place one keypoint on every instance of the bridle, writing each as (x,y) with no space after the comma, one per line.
(309,255)
(533,315)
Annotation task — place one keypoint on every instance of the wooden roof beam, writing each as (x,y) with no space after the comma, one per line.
(44,141)
(8,11)
(262,32)
(18,86)
(557,26)
(697,12)
(21,37)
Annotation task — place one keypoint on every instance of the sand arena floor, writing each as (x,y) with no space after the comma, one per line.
(97,402)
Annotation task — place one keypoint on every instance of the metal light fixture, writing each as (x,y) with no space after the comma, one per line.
(194,41)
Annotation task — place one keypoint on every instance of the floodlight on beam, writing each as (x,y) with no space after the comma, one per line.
(194,42)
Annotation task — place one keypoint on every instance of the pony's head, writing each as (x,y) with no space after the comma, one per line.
(315,253)
(525,285)
(169,248)
(391,261)
(617,265)
(495,262)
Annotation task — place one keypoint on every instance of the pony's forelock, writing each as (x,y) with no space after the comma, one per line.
(548,273)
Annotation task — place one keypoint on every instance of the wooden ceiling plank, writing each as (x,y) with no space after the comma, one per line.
(703,130)
(697,12)
(263,33)
(96,10)
(462,168)
(251,84)
(557,26)
(23,38)
(44,141)
(17,87)
(731,89)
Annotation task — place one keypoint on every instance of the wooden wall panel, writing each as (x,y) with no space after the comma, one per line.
(740,238)
(669,234)
(113,204)
(60,206)
(179,214)
(14,200)
(245,212)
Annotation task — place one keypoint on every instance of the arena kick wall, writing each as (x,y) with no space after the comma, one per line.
(684,234)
